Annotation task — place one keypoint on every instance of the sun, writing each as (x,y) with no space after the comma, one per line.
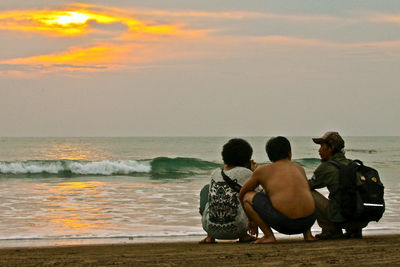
(73,17)
(66,18)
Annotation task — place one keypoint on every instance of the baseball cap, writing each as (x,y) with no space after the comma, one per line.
(331,138)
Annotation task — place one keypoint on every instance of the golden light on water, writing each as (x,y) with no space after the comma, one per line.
(83,206)
(73,151)
(69,211)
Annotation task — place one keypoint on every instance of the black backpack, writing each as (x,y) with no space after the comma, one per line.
(360,192)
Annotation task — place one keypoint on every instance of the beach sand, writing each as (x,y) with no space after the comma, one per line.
(371,250)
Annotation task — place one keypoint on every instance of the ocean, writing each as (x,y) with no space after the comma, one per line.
(60,191)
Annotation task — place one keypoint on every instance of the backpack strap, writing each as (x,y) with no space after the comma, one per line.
(232,183)
(338,165)
(359,162)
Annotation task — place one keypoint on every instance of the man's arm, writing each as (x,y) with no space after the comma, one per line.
(323,176)
(250,185)
(302,171)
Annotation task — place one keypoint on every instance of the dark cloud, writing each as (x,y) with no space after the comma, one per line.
(110,29)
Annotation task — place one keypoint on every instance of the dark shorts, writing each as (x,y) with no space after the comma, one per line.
(278,221)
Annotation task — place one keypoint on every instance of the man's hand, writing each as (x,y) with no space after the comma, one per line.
(253,228)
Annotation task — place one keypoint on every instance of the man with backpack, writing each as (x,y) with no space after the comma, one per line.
(330,211)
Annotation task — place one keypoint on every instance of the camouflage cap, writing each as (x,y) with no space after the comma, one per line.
(332,139)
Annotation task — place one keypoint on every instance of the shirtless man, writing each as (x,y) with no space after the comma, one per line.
(287,204)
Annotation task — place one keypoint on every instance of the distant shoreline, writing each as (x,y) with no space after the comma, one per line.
(371,250)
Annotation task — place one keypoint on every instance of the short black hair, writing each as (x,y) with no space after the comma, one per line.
(278,148)
(334,148)
(237,152)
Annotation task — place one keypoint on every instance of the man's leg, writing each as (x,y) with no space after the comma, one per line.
(354,229)
(208,240)
(204,198)
(322,207)
(308,236)
(253,216)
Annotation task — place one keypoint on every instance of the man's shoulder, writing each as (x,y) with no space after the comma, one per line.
(340,157)
(325,167)
(262,171)
(214,172)
(265,167)
(271,169)
(296,165)
(240,171)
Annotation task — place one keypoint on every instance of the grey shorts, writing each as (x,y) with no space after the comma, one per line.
(278,221)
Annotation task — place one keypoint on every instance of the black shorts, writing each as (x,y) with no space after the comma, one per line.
(278,221)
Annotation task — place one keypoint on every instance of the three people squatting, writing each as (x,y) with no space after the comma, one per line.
(243,197)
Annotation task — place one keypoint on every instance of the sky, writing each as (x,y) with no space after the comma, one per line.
(199,68)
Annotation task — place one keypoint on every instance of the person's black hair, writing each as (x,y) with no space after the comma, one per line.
(237,152)
(335,149)
(278,148)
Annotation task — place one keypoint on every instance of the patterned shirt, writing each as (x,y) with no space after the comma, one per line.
(224,217)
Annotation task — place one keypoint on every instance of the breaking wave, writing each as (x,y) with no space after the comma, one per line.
(367,151)
(156,166)
(308,162)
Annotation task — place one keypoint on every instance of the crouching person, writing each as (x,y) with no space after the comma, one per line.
(222,215)
(287,204)
(329,212)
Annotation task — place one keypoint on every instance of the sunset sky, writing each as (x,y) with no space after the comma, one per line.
(199,68)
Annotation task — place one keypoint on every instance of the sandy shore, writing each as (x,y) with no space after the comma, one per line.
(371,250)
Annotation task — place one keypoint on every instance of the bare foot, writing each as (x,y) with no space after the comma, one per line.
(265,240)
(247,238)
(308,236)
(208,240)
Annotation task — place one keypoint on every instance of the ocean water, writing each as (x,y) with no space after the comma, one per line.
(94,190)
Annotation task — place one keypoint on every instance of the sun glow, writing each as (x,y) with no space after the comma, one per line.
(109,38)
(70,18)
(75,21)
(54,22)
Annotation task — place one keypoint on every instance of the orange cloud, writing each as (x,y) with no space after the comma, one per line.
(385,18)
(90,59)
(133,41)
(75,21)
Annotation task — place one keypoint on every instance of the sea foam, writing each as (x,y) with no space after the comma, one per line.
(75,167)
(171,167)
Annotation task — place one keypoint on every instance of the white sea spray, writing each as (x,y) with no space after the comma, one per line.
(105,167)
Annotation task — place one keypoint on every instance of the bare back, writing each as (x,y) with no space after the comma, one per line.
(286,185)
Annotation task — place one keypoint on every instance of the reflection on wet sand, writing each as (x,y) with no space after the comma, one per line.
(95,207)
(67,208)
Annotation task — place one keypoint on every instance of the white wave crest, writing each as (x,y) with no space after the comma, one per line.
(75,167)
(108,167)
(19,167)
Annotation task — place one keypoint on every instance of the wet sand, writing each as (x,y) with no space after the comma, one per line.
(371,250)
